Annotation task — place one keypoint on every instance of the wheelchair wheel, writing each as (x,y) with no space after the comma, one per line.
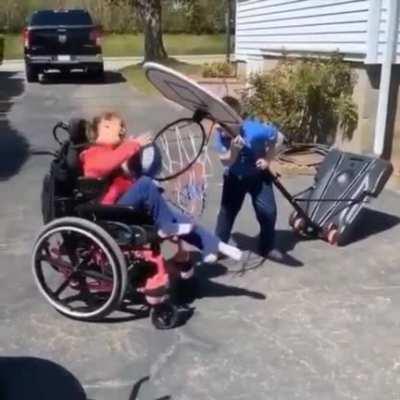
(79,268)
(164,316)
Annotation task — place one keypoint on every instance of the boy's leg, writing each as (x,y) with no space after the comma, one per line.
(233,194)
(264,204)
(209,244)
(146,194)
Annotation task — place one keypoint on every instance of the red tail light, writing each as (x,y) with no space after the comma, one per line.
(26,37)
(95,37)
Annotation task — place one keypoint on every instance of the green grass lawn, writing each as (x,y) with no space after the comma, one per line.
(132,45)
(1,48)
(136,77)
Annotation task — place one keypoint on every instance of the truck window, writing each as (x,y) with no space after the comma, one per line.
(62,17)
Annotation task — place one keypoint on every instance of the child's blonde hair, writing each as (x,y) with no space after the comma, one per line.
(108,116)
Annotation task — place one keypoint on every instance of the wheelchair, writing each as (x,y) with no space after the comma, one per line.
(91,259)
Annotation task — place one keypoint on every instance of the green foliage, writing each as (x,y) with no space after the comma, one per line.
(218,70)
(1,48)
(309,99)
(194,16)
(119,16)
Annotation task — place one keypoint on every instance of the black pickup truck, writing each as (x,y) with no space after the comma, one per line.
(63,40)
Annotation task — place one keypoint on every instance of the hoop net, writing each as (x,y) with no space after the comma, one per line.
(188,191)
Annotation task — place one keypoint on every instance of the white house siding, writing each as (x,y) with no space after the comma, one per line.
(383,24)
(268,26)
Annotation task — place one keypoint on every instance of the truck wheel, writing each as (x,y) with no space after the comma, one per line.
(98,73)
(32,73)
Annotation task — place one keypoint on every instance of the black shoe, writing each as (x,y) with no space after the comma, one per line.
(278,256)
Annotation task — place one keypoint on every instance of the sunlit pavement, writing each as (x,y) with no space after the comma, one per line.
(327,330)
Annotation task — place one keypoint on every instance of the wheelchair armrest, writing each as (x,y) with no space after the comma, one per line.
(125,214)
(92,188)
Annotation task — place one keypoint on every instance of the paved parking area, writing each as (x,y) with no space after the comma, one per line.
(326,330)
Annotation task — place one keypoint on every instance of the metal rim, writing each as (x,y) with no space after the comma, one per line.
(50,297)
(203,143)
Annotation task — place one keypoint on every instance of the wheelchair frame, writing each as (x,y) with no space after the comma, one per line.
(105,255)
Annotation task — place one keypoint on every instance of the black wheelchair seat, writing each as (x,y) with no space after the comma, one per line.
(126,214)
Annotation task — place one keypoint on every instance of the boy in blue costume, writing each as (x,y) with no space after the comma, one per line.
(246,160)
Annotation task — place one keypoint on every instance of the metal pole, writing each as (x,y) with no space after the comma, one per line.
(386,75)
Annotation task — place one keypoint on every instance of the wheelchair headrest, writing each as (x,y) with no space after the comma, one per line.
(78,129)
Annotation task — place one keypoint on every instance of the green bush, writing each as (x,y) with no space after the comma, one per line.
(309,99)
(218,70)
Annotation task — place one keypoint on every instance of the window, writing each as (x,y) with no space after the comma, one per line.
(62,17)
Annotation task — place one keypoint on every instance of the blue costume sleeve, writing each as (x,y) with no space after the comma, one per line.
(256,132)
(222,143)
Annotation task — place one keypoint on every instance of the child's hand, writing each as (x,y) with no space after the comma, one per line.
(144,139)
(237,143)
(262,164)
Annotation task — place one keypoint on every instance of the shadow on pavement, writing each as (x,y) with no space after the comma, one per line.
(285,240)
(136,390)
(23,378)
(202,286)
(14,148)
(370,223)
(74,78)
(30,378)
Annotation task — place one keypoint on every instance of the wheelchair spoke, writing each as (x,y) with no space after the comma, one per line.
(57,263)
(96,275)
(73,275)
(64,285)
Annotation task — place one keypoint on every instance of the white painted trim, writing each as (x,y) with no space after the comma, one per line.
(374,19)
(386,76)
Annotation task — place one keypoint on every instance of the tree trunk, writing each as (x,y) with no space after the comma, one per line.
(149,12)
(229,30)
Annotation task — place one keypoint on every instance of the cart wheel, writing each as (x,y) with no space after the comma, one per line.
(299,225)
(164,316)
(292,218)
(333,237)
(331,227)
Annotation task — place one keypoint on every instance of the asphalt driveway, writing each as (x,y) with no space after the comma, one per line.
(326,330)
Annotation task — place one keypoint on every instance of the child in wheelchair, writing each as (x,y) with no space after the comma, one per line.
(110,149)
(99,242)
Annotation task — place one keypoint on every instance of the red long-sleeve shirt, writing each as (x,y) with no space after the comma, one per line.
(99,161)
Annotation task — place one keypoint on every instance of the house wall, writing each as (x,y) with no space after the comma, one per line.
(268,26)
(355,28)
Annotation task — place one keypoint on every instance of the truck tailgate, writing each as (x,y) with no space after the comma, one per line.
(59,40)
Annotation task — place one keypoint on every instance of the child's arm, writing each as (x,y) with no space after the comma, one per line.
(228,149)
(270,152)
(102,163)
(230,156)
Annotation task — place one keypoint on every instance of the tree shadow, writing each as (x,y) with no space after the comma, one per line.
(136,389)
(78,78)
(369,223)
(25,378)
(14,148)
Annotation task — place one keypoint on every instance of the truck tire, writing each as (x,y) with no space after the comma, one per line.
(98,73)
(32,73)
